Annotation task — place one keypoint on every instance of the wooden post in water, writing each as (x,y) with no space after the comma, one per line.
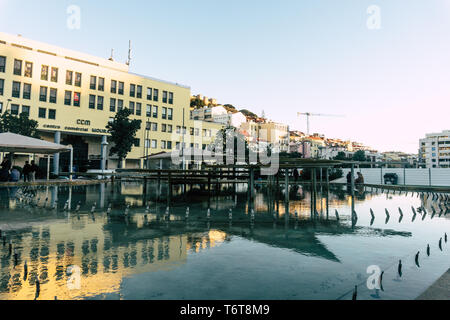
(353,188)
(286,184)
(252,182)
(314,191)
(169,189)
(145,186)
(158,191)
(209,184)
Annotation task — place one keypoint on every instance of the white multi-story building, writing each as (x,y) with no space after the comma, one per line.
(219,114)
(434,150)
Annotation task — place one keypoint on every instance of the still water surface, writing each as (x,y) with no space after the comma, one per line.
(145,257)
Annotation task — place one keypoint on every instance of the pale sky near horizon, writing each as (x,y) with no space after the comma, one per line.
(283,57)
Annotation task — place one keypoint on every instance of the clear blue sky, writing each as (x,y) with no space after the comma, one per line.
(282,57)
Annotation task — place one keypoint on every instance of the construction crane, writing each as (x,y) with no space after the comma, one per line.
(309,114)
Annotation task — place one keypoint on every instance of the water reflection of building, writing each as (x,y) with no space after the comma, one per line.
(104,258)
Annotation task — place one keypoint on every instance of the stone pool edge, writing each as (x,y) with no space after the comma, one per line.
(440,290)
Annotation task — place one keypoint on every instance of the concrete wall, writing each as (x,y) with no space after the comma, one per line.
(420,177)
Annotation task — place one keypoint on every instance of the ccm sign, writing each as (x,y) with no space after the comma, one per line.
(84,122)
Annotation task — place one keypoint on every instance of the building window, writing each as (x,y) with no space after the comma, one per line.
(52,114)
(93,83)
(170,97)
(164,127)
(15,109)
(77,79)
(119,105)
(43,94)
(169,145)
(149,93)
(138,108)
(154,144)
(53,95)
(99,103)
(26,110)
(91,101)
(2,86)
(76,99)
(2,63)
(17,67)
(42,113)
(191,131)
(155,94)
(164,99)
(28,69)
(154,126)
(155,111)
(178,130)
(101,84)
(164,113)
(112,105)
(113,86)
(148,111)
(68,98)
(132,90)
(169,128)
(131,107)
(139,92)
(163,144)
(69,77)
(44,73)
(137,142)
(16,89)
(27,91)
(170,114)
(121,87)
(54,77)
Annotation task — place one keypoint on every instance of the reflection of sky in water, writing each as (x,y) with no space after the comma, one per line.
(145,259)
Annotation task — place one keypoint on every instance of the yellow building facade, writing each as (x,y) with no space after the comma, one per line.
(73,95)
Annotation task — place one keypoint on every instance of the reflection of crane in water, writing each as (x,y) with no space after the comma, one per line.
(309,114)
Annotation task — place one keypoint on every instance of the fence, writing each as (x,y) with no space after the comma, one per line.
(417,177)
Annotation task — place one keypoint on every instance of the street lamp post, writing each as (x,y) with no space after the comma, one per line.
(147,142)
(7,105)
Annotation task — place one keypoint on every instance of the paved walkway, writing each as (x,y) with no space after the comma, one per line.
(440,290)
(52,183)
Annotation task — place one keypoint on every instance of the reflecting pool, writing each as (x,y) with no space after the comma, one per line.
(112,241)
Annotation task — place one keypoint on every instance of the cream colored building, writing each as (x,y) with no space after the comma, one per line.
(73,95)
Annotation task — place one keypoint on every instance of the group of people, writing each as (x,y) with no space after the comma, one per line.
(29,171)
(14,175)
(358,181)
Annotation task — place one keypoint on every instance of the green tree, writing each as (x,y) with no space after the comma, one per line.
(359,155)
(197,103)
(221,144)
(123,133)
(21,124)
(248,113)
(340,156)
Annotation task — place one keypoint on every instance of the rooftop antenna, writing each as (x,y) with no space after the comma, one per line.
(129,53)
(112,55)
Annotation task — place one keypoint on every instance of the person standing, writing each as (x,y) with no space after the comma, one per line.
(33,170)
(26,172)
(360,179)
